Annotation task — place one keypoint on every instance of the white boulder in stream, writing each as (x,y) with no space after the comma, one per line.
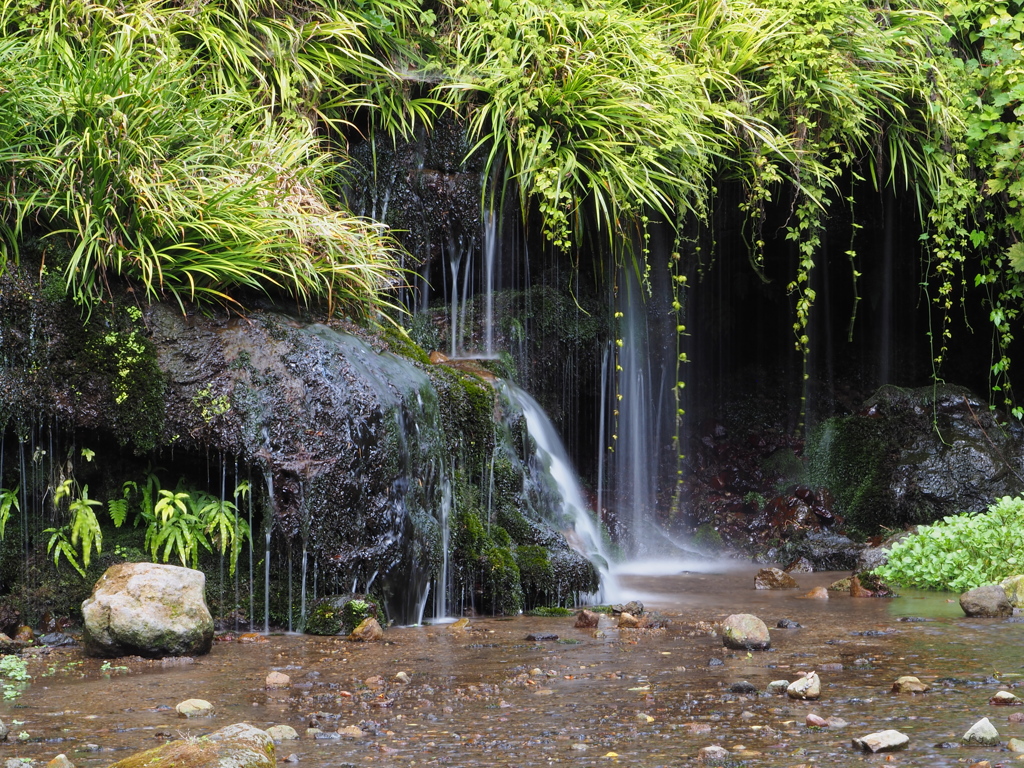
(883,741)
(150,610)
(982,733)
(745,631)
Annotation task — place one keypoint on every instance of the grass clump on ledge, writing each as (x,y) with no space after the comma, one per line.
(961,552)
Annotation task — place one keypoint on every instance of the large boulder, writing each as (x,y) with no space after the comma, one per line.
(236,746)
(914,456)
(147,609)
(745,631)
(989,601)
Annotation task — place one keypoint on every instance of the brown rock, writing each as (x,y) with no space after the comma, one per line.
(818,593)
(240,745)
(1005,699)
(800,565)
(628,621)
(587,620)
(815,721)
(856,590)
(278,680)
(773,578)
(909,684)
(368,631)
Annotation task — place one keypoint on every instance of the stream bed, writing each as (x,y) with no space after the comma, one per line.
(487,696)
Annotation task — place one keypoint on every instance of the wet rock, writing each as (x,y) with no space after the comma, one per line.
(459,626)
(818,593)
(194,708)
(24,635)
(800,565)
(57,640)
(715,662)
(982,733)
(278,680)
(292,758)
(807,687)
(989,601)
(282,733)
(403,678)
(628,621)
(836,722)
(368,631)
(743,687)
(1016,717)
(882,741)
(1005,699)
(239,746)
(777,687)
(773,578)
(634,607)
(351,732)
(815,721)
(745,631)
(4,731)
(788,624)
(587,620)
(150,610)
(712,754)
(543,637)
(1015,745)
(60,761)
(1014,589)
(909,684)
(843,585)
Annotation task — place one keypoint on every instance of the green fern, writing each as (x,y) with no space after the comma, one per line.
(8,501)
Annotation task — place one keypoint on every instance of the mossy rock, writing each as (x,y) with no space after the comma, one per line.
(340,614)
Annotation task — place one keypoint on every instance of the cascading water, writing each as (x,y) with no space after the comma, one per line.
(570,514)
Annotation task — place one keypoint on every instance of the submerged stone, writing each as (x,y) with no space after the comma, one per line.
(882,741)
(745,631)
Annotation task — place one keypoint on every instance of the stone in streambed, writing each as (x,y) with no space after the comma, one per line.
(282,733)
(989,601)
(587,620)
(1005,699)
(1014,589)
(882,741)
(773,578)
(745,631)
(712,754)
(777,687)
(815,721)
(368,631)
(807,687)
(60,761)
(238,746)
(982,733)
(1015,745)
(818,593)
(278,680)
(148,609)
(194,708)
(909,684)
(628,621)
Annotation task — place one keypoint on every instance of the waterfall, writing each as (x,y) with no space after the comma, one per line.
(572,516)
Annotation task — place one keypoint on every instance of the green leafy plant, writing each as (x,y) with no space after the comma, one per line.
(961,552)
(81,534)
(8,501)
(13,676)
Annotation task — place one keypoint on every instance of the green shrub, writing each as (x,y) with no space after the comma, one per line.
(961,552)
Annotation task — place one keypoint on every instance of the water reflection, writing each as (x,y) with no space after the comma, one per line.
(490,697)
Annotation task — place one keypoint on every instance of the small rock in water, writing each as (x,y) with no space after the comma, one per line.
(788,624)
(818,593)
(351,732)
(800,565)
(745,631)
(282,733)
(368,631)
(773,578)
(292,758)
(777,687)
(743,687)
(634,607)
(403,678)
(909,684)
(883,741)
(538,637)
(459,625)
(715,662)
(278,680)
(807,687)
(982,733)
(1005,699)
(60,761)
(194,708)
(587,619)
(1015,745)
(712,754)
(816,721)
(1016,717)
(4,731)
(836,722)
(628,621)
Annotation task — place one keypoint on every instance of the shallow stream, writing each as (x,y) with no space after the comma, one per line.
(487,696)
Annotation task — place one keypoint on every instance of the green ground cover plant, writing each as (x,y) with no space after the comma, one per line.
(961,552)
